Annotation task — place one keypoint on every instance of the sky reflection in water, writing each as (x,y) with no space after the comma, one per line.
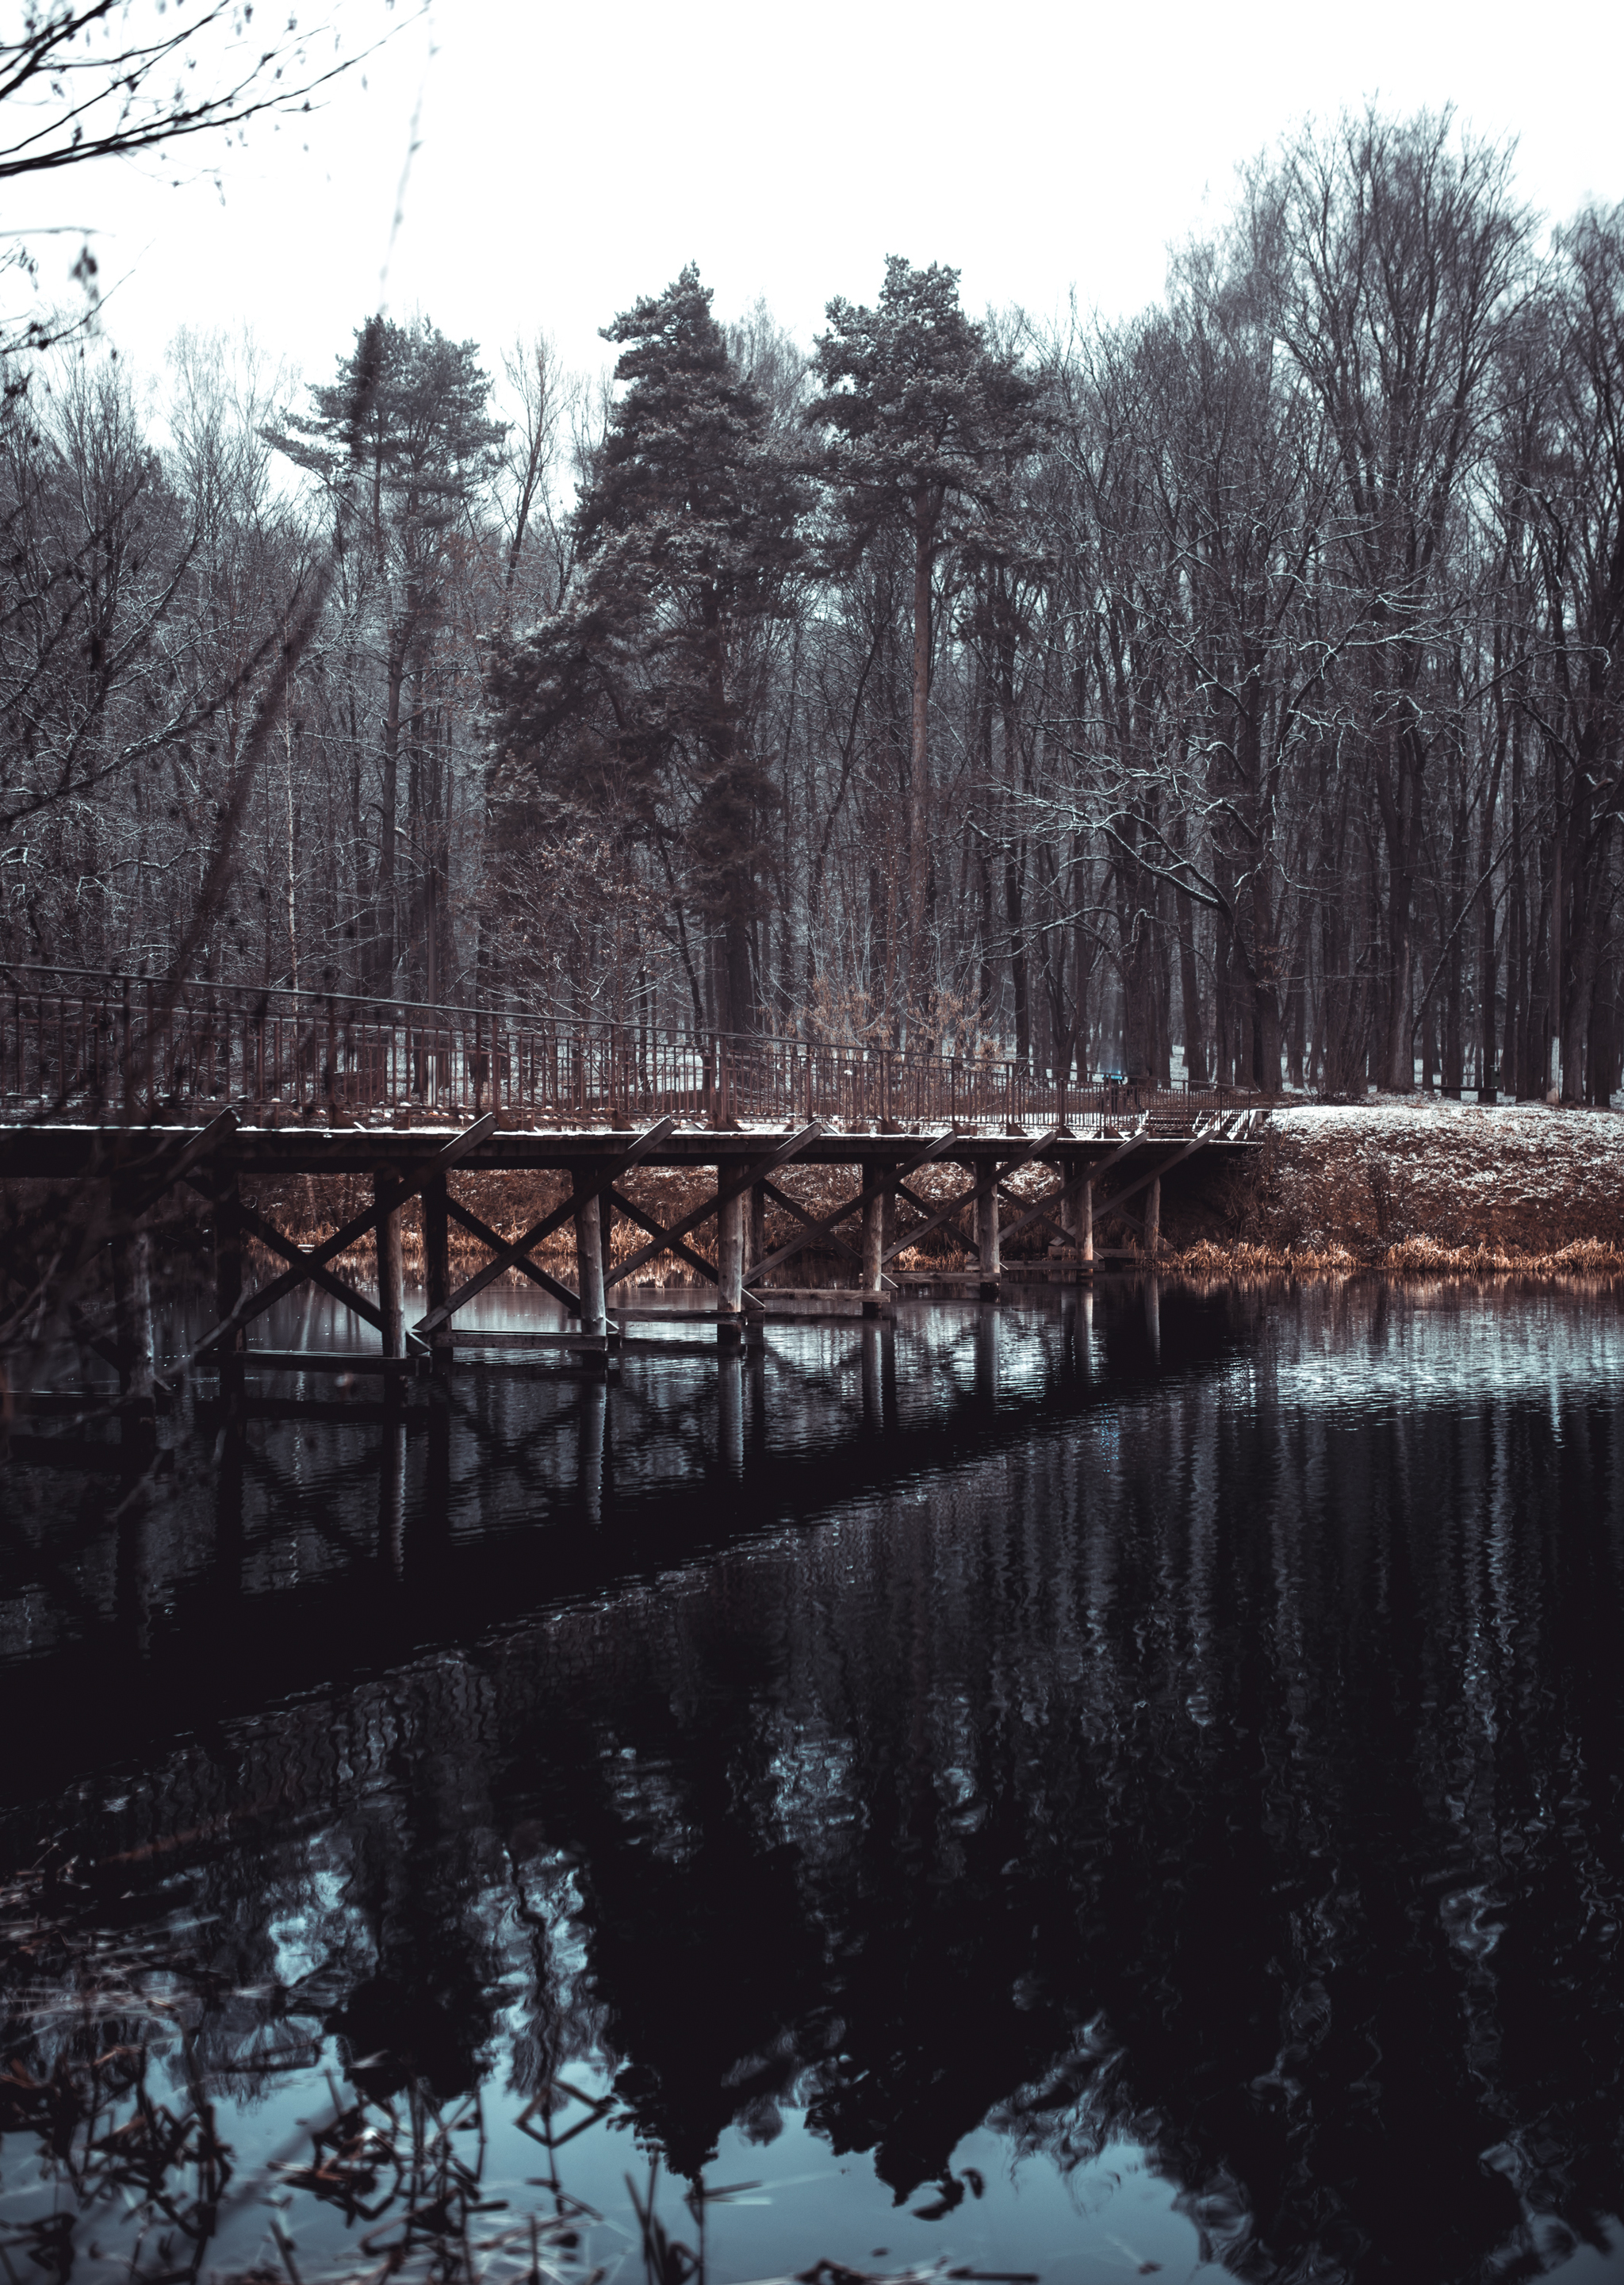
(1154,1762)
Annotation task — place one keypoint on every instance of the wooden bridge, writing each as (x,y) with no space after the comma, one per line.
(154,1090)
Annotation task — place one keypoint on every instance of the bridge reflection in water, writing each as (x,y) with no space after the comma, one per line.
(1155,1715)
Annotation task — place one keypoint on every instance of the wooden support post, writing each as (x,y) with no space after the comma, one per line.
(1068,1206)
(986,1232)
(1077,1219)
(732,1216)
(874,1243)
(437,1266)
(589,1265)
(139,1391)
(132,1301)
(1153,1217)
(228,1278)
(391,1271)
(757,1247)
(888,1227)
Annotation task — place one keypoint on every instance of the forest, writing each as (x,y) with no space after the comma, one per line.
(1235,692)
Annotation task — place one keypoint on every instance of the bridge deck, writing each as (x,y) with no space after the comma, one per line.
(76,1149)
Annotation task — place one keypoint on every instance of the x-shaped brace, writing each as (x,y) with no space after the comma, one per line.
(957,1206)
(789,1148)
(307,1263)
(815,1229)
(514,1253)
(646,1221)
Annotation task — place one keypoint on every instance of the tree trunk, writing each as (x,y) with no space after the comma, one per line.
(383,949)
(1190,990)
(927,508)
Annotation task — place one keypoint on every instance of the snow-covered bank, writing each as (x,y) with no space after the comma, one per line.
(1392,1178)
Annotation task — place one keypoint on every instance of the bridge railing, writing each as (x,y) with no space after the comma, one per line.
(113,1049)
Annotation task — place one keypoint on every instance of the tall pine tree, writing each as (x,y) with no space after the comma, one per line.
(426,447)
(922,420)
(629,701)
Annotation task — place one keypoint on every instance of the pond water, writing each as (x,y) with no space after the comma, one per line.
(1125,1782)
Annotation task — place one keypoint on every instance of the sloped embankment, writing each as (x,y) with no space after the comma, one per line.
(1429,1186)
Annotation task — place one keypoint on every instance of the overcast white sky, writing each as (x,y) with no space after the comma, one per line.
(571,158)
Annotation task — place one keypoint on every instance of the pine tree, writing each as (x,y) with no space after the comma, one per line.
(922,419)
(426,447)
(630,699)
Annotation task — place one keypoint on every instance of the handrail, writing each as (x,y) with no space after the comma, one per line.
(114,1047)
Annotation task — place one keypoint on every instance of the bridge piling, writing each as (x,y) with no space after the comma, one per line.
(228,1277)
(391,1272)
(437,1267)
(140,1104)
(132,1294)
(987,1231)
(731,1218)
(589,1261)
(874,1240)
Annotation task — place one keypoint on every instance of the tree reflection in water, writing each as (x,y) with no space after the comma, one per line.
(1218,1752)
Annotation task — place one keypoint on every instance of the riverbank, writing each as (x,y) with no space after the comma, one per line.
(1416,1188)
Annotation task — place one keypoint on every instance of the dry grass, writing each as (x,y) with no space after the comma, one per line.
(1409,1257)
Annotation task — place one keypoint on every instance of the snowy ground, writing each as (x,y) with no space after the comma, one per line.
(1519,1174)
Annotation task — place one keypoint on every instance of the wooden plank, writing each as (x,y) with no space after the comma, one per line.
(80,1404)
(254,1224)
(813,1228)
(873,1306)
(330,1360)
(1131,1189)
(1039,1209)
(770,1293)
(708,1316)
(924,1205)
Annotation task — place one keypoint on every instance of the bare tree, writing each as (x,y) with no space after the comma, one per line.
(82,80)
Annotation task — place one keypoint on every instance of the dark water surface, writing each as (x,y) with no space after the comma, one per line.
(1112,1783)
